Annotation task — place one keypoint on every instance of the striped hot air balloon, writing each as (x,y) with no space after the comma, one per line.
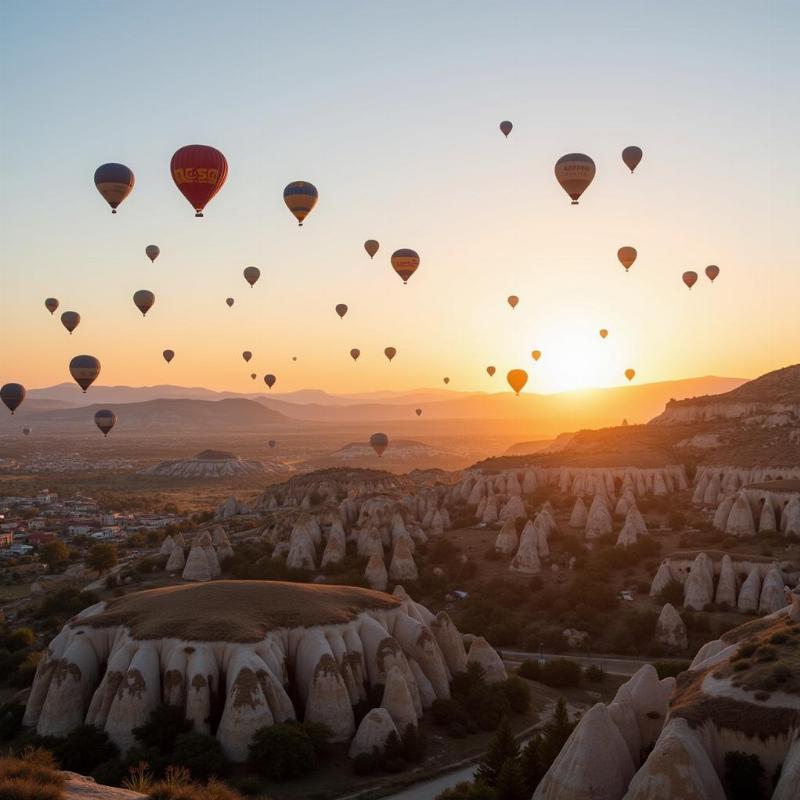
(405,262)
(199,172)
(300,197)
(12,394)
(575,172)
(114,182)
(84,371)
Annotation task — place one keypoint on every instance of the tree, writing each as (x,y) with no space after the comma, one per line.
(556,732)
(201,755)
(282,751)
(530,761)
(502,747)
(510,782)
(52,553)
(102,557)
(84,748)
(164,725)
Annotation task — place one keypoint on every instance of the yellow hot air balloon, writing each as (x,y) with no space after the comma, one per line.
(536,354)
(603,333)
(627,255)
(632,156)
(575,172)
(517,379)
(513,300)
(405,262)
(630,373)
(371,246)
(390,353)
(491,371)
(300,197)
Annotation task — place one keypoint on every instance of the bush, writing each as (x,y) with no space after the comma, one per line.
(101,557)
(67,601)
(672,593)
(468,791)
(164,725)
(282,751)
(517,694)
(529,669)
(201,755)
(414,744)
(85,748)
(744,776)
(10,720)
(365,764)
(30,777)
(594,674)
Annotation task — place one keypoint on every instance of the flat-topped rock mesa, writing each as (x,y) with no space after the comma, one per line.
(237,656)
(210,464)
(401,455)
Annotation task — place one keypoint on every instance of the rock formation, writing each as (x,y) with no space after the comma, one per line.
(483,654)
(507,540)
(372,733)
(670,629)
(577,519)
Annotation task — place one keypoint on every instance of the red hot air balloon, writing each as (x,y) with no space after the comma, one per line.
(390,353)
(712,270)
(505,127)
(690,278)
(405,262)
(114,182)
(199,171)
(269,380)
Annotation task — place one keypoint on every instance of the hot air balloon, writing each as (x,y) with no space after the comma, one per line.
(84,371)
(513,300)
(294,358)
(575,172)
(418,412)
(632,156)
(405,263)
(247,355)
(517,379)
(105,420)
(341,310)
(371,246)
(269,379)
(603,333)
(229,301)
(712,270)
(390,353)
(630,373)
(168,355)
(114,182)
(199,172)
(12,394)
(690,278)
(536,354)
(379,442)
(626,255)
(300,197)
(143,300)
(505,127)
(491,371)
(26,431)
(251,275)
(152,251)
(355,353)
(51,304)
(446,381)
(253,375)
(272,443)
(70,320)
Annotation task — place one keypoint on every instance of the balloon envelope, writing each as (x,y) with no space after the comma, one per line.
(51,304)
(517,379)
(12,394)
(390,353)
(168,355)
(491,371)
(405,262)
(114,182)
(446,380)
(371,246)
(418,412)
(632,156)
(27,430)
(229,301)
(575,172)
(300,197)
(143,300)
(505,127)
(690,278)
(251,275)
(70,320)
(379,442)
(603,333)
(630,373)
(152,251)
(355,353)
(712,270)
(536,354)
(627,255)
(269,380)
(199,172)
(247,355)
(341,310)
(513,300)
(272,443)
(105,420)
(84,370)
(253,375)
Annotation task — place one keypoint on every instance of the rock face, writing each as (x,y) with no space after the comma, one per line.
(507,541)
(251,649)
(670,629)
(208,464)
(374,730)
(483,654)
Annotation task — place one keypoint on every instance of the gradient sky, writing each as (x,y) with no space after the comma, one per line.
(391,110)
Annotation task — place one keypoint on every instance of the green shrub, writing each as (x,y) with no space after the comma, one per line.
(201,755)
(84,748)
(517,694)
(164,725)
(282,751)
(10,720)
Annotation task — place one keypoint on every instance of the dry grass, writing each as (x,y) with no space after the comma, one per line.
(32,776)
(178,785)
(236,611)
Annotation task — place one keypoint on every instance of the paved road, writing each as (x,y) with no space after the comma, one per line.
(614,665)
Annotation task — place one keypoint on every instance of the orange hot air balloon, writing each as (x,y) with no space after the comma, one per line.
(690,278)
(517,379)
(199,172)
(229,301)
(513,300)
(253,375)
(247,355)
(405,262)
(371,246)
(168,355)
(390,353)
(632,156)
(418,412)
(446,380)
(70,320)
(536,354)
(251,275)
(712,270)
(491,371)
(269,380)
(51,304)
(114,182)
(300,197)
(603,333)
(630,373)
(355,353)
(505,127)
(143,300)
(627,255)
(575,172)
(379,442)
(341,310)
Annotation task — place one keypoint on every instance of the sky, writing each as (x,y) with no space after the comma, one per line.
(392,111)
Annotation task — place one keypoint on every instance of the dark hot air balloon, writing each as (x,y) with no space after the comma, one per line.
(446,381)
(26,431)
(253,375)
(632,156)
(627,255)
(690,278)
(371,246)
(405,262)
(168,355)
(390,353)
(575,172)
(491,371)
(51,304)
(12,394)
(630,373)
(418,412)
(269,379)
(152,251)
(341,310)
(70,320)
(84,370)
(251,275)
(229,301)
(105,420)
(114,182)
(355,353)
(300,197)
(379,442)
(712,270)
(199,172)
(517,379)
(505,127)
(143,300)
(247,355)
(272,443)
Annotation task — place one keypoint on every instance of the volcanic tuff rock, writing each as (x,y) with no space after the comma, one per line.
(208,464)
(670,629)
